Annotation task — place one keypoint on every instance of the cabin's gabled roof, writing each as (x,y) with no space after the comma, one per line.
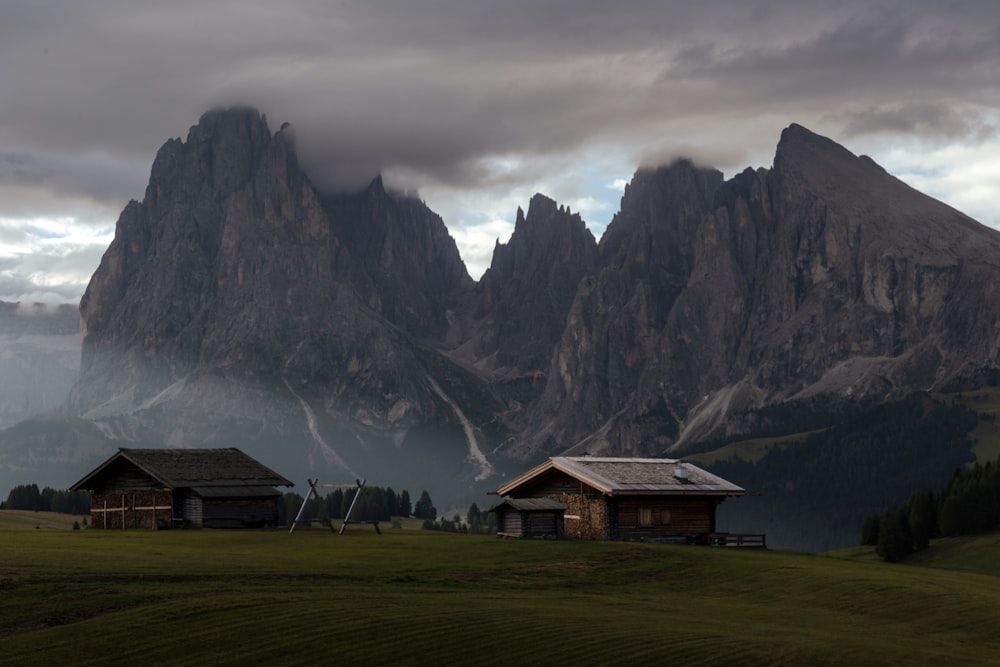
(192,468)
(615,476)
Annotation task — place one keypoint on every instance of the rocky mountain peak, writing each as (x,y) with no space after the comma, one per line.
(526,293)
(213,263)
(660,211)
(805,159)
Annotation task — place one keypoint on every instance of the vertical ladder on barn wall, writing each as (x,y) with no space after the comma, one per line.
(314,484)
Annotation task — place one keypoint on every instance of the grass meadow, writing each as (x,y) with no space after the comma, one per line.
(410,597)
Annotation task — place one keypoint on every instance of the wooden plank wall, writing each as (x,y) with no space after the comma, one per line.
(687,516)
(239,513)
(192,510)
(552,483)
(542,524)
(510,522)
(122,475)
(134,508)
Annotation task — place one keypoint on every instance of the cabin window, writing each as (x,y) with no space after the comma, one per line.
(665,517)
(645,516)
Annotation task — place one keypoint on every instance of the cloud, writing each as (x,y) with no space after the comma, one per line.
(926,120)
(47,260)
(99,178)
(478,105)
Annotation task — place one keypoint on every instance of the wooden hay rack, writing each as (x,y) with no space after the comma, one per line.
(314,485)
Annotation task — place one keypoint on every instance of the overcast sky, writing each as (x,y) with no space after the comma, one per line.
(477,105)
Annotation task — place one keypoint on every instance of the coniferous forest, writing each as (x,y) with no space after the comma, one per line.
(28,497)
(816,493)
(968,504)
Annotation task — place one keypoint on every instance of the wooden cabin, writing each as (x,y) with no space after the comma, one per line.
(159,488)
(620,499)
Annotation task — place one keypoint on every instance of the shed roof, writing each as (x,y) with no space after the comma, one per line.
(531,504)
(201,468)
(631,476)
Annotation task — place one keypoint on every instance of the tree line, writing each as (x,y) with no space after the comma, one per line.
(382,504)
(968,504)
(28,497)
(477,522)
(375,504)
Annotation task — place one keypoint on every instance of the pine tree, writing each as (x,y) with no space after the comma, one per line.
(894,540)
(869,531)
(425,507)
(405,508)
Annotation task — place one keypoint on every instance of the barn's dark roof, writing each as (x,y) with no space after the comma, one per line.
(631,476)
(194,468)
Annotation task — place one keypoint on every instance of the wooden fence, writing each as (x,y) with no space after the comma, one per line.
(758,540)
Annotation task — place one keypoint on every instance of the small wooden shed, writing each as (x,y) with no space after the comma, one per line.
(608,498)
(529,517)
(159,488)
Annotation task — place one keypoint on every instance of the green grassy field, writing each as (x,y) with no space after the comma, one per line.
(410,597)
(39,520)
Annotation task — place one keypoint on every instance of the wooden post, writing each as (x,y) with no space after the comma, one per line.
(313,483)
(312,490)
(347,517)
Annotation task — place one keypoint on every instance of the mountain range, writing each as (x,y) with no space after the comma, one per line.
(339,335)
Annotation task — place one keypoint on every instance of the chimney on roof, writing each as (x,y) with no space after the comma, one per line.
(682,471)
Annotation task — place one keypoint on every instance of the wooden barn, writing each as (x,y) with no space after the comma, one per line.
(159,488)
(598,498)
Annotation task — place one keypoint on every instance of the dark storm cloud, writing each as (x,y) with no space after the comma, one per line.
(923,119)
(439,85)
(96,177)
(465,97)
(870,60)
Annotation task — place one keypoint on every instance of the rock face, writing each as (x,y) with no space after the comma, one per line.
(239,306)
(525,295)
(821,276)
(400,258)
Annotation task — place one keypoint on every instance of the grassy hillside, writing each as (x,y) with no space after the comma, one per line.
(414,597)
(986,434)
(752,450)
(976,553)
(15,519)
